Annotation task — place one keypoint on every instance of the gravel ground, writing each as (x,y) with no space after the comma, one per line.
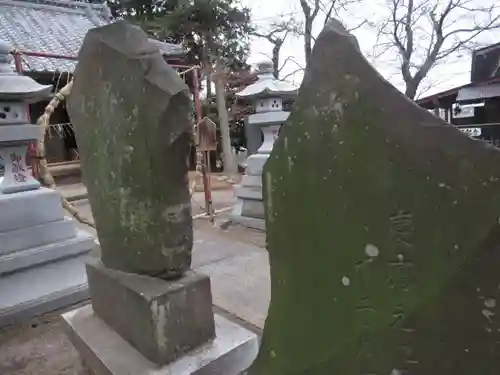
(41,346)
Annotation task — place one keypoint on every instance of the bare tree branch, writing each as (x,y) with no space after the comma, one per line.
(276,36)
(292,73)
(291,59)
(425,32)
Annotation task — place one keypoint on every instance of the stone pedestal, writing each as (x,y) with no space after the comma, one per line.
(42,256)
(170,317)
(138,324)
(107,353)
(249,210)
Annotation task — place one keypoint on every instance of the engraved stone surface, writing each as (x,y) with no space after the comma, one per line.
(131,117)
(383,232)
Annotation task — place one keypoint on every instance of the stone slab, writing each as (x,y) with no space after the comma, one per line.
(161,319)
(36,291)
(35,236)
(107,353)
(383,231)
(19,133)
(30,208)
(19,260)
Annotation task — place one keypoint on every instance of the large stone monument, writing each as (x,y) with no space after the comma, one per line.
(149,312)
(383,232)
(267,96)
(41,251)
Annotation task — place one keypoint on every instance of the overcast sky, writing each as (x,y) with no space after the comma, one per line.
(454,72)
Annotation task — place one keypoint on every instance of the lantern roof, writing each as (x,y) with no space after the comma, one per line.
(18,87)
(267,85)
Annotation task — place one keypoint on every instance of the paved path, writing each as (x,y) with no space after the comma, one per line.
(239,273)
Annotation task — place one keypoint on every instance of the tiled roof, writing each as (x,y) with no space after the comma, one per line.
(54,26)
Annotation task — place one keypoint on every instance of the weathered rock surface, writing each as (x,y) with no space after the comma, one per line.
(162,319)
(131,116)
(383,232)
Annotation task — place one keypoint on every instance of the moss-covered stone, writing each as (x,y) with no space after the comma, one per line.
(130,111)
(383,232)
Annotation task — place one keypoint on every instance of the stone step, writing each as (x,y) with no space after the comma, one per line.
(19,260)
(248,192)
(38,235)
(252,181)
(39,290)
(30,208)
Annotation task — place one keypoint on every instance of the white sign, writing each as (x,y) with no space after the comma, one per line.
(463,112)
(472,132)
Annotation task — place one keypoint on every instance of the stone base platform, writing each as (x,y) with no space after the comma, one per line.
(42,256)
(238,216)
(35,291)
(107,353)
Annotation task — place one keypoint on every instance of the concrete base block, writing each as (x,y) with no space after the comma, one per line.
(35,291)
(107,353)
(162,319)
(19,260)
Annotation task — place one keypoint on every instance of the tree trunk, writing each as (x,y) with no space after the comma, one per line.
(230,166)
(209,85)
(411,89)
(308,39)
(276,59)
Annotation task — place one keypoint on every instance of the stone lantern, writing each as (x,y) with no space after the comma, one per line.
(267,96)
(15,130)
(41,251)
